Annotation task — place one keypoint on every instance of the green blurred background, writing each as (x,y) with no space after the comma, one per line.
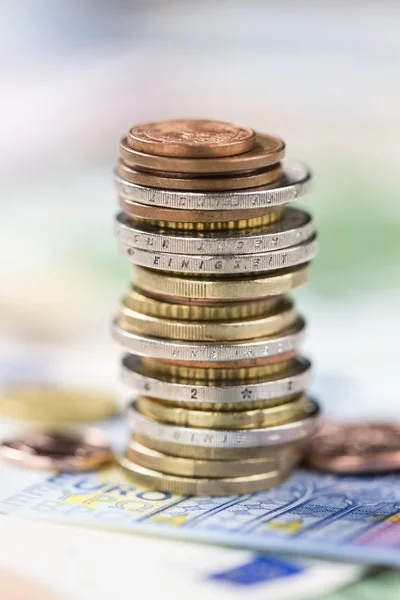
(77,75)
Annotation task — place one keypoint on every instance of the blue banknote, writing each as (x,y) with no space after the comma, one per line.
(351,518)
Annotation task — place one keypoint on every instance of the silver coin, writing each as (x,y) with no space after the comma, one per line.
(288,340)
(223,263)
(245,438)
(295,227)
(294,183)
(133,375)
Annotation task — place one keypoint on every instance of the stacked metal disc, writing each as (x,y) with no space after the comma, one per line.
(211,338)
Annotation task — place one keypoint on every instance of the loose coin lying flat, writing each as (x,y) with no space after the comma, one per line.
(221,486)
(50,404)
(243,288)
(267,150)
(241,419)
(182,181)
(295,227)
(215,331)
(67,451)
(245,438)
(175,465)
(266,346)
(274,390)
(191,138)
(223,264)
(136,300)
(294,183)
(356,448)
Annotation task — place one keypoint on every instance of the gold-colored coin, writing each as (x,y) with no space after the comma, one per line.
(136,300)
(50,404)
(211,453)
(160,410)
(242,288)
(194,182)
(212,375)
(215,331)
(175,465)
(268,219)
(198,486)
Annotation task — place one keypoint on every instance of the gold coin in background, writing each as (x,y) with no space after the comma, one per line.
(52,404)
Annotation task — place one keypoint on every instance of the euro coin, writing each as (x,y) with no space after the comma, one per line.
(241,419)
(136,300)
(355,448)
(193,138)
(295,431)
(183,181)
(216,453)
(189,467)
(267,150)
(246,287)
(221,486)
(239,329)
(295,227)
(66,451)
(51,404)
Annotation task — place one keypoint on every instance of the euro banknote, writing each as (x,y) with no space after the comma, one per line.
(353,518)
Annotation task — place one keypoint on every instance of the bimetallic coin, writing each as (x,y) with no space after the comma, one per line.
(267,150)
(295,227)
(269,218)
(223,264)
(136,322)
(160,410)
(294,183)
(221,486)
(355,448)
(242,393)
(262,347)
(216,453)
(185,181)
(51,404)
(175,465)
(170,309)
(243,288)
(67,451)
(217,372)
(217,438)
(216,220)
(193,138)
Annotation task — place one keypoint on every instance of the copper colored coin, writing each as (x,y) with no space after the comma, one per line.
(267,150)
(158,213)
(192,138)
(190,182)
(67,451)
(355,448)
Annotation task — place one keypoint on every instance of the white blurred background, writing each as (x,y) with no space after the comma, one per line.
(77,75)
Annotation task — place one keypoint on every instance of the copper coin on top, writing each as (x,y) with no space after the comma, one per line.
(192,138)
(355,448)
(267,150)
(67,451)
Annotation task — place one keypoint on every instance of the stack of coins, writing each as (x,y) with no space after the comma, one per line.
(212,339)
